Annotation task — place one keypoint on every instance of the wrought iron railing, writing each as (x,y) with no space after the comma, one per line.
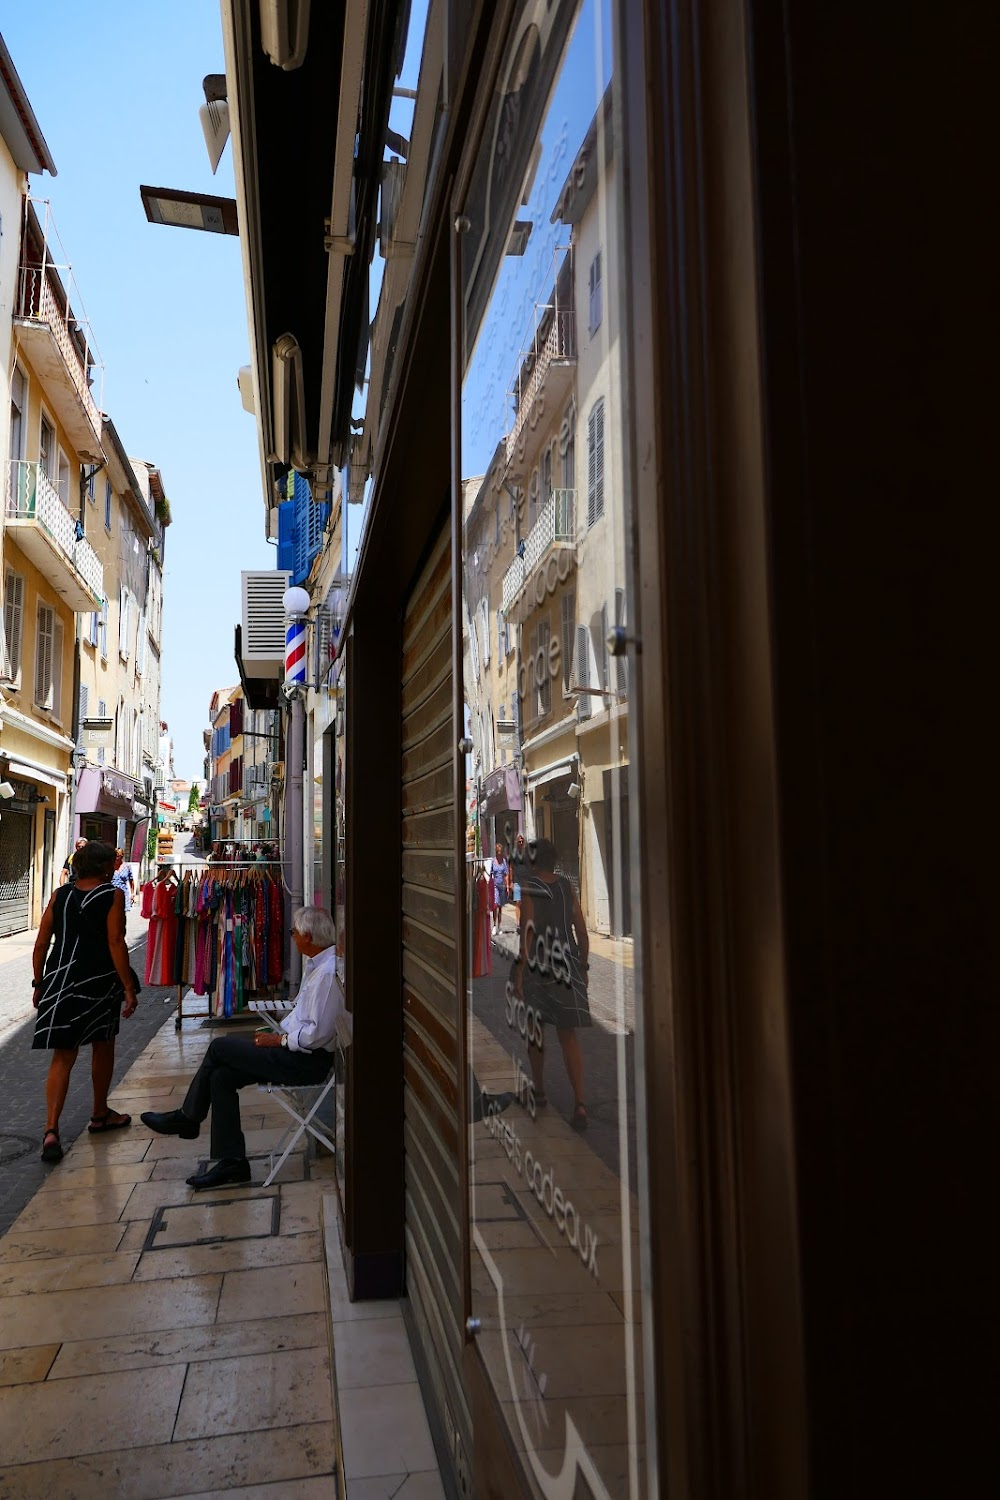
(31,496)
(556,526)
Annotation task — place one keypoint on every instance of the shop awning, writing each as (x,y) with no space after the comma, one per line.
(47,778)
(500,792)
(557,771)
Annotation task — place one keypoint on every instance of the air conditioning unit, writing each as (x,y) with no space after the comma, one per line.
(263,636)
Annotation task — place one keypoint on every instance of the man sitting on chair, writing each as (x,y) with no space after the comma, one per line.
(299,1055)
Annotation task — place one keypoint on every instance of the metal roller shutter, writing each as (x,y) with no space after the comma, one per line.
(430,1014)
(15,872)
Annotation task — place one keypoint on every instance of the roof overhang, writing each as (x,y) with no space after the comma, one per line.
(308,144)
(18,125)
(123,476)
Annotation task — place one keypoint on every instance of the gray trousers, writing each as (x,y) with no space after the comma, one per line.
(230,1064)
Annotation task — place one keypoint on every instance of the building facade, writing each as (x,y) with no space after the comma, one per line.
(119,650)
(52,573)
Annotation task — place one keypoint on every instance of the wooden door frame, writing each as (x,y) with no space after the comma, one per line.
(726,1344)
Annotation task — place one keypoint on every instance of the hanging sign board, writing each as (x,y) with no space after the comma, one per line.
(97,733)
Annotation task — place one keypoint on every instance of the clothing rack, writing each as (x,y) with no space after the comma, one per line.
(222,873)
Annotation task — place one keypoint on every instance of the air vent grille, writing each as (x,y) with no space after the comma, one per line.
(263,616)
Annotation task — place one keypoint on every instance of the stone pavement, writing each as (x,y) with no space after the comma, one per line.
(154,1344)
(22,1071)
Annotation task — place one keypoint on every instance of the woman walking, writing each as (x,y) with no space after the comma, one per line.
(122,879)
(82,980)
(500,876)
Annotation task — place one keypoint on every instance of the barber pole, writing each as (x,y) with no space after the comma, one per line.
(295,652)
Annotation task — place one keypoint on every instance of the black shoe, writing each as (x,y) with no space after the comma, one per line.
(220,1175)
(172,1123)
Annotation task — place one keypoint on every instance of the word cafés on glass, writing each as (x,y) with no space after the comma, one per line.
(546,582)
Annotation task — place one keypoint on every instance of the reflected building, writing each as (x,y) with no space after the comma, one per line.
(546,567)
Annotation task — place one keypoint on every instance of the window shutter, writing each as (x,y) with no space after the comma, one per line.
(605,681)
(13,618)
(104,629)
(596,308)
(595,464)
(584,707)
(567,636)
(621,662)
(43,658)
(123,624)
(484,612)
(140,645)
(57,661)
(544,683)
(474,643)
(84,700)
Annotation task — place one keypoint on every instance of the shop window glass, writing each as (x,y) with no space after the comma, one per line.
(551,998)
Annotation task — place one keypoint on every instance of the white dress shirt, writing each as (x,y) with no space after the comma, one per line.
(312,1024)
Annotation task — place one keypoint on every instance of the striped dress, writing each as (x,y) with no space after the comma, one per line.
(81,996)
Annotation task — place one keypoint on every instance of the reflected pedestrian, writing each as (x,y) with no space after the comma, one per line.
(550,973)
(500,881)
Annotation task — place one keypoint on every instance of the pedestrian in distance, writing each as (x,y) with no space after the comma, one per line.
(500,878)
(299,1055)
(67,877)
(516,861)
(82,986)
(123,880)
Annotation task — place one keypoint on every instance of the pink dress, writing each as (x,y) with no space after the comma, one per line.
(162,934)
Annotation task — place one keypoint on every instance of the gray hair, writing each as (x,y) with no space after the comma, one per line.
(315,924)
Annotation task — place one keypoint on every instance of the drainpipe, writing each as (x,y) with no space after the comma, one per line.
(75,753)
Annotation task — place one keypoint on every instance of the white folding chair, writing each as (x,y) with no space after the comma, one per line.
(287,1096)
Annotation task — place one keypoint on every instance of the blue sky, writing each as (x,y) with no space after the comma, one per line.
(116,88)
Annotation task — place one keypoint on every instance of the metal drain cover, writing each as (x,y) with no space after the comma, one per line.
(179,1224)
(13,1147)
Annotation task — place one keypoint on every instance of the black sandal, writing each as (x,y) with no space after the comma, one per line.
(53,1152)
(99,1124)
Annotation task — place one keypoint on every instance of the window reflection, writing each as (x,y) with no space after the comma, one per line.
(545,578)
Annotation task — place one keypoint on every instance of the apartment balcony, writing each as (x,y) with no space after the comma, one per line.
(548,558)
(547,368)
(39,523)
(59,348)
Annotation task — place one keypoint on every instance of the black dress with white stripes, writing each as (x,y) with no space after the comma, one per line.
(81,996)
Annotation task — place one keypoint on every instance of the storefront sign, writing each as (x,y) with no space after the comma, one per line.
(117,788)
(97,734)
